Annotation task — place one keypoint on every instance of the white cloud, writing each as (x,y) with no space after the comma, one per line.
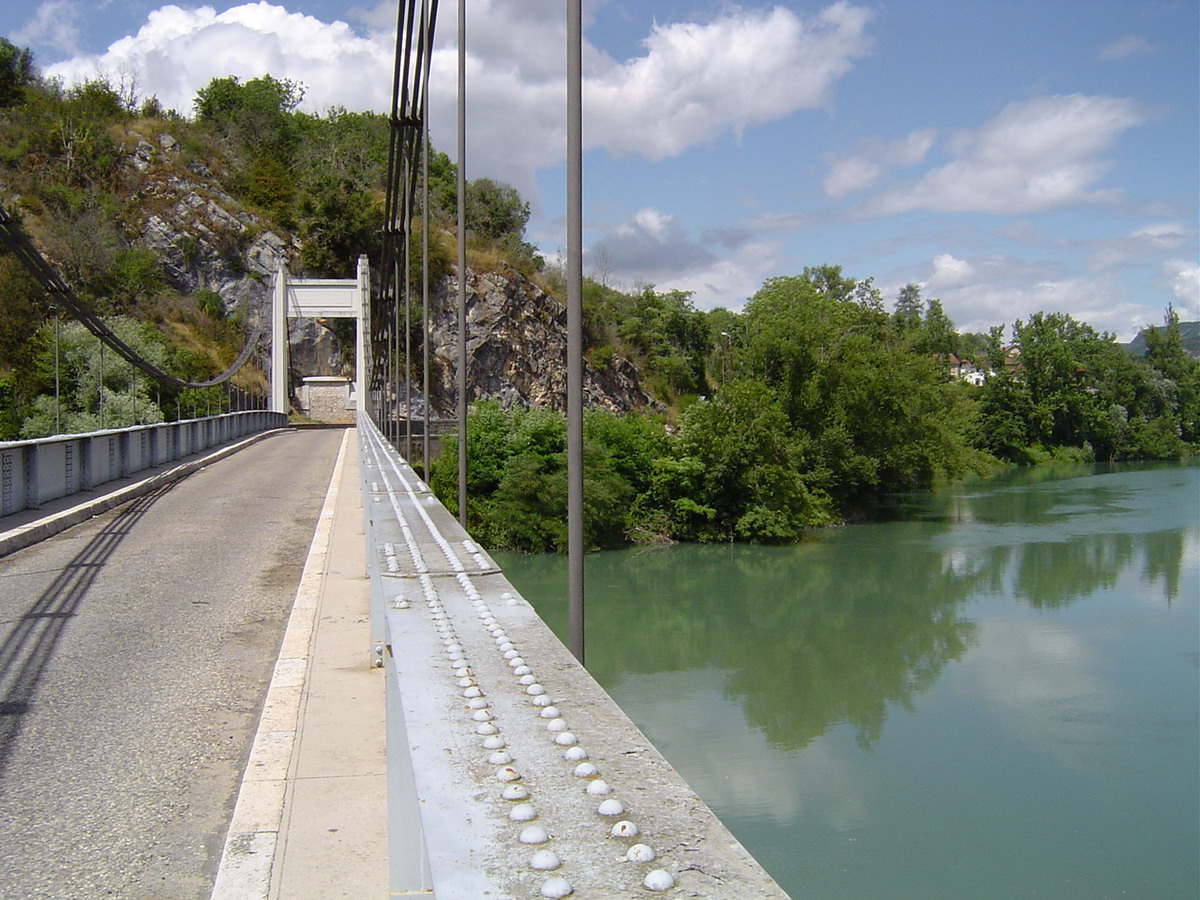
(650,246)
(55,24)
(1127,46)
(698,81)
(850,174)
(1184,278)
(860,170)
(949,271)
(178,51)
(1035,155)
(694,82)
(653,247)
(1140,246)
(980,292)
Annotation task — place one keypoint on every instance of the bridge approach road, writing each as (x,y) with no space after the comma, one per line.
(135,650)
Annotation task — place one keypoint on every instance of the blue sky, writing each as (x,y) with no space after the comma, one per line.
(1009,156)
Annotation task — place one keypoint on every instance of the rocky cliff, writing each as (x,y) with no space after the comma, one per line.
(516,349)
(517,345)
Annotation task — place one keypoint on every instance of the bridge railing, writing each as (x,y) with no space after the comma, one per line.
(36,471)
(489,793)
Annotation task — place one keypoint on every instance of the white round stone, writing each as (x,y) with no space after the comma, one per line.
(556,725)
(549,712)
(610,807)
(508,773)
(564,738)
(586,770)
(515,792)
(557,888)
(575,754)
(598,788)
(493,742)
(545,861)
(500,758)
(533,834)
(522,812)
(640,853)
(535,690)
(624,829)
(658,880)
(486,728)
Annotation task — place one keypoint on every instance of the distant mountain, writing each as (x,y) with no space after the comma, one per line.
(1188,331)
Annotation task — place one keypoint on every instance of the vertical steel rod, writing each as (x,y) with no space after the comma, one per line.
(575,327)
(407,321)
(57,401)
(101,385)
(462,263)
(425,37)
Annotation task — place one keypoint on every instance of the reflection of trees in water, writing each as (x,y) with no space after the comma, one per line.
(837,629)
(813,635)
(1052,575)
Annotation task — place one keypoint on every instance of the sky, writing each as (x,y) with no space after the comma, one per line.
(1010,156)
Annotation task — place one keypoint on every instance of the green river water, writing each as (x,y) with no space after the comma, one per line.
(992,694)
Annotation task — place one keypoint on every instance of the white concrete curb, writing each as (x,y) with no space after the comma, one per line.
(253,837)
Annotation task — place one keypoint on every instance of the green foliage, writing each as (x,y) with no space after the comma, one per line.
(211,304)
(732,472)
(517,481)
(876,414)
(1076,388)
(662,333)
(746,467)
(495,209)
(256,114)
(337,223)
(16,72)
(97,389)
(136,276)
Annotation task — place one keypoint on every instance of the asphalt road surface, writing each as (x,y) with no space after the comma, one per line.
(135,651)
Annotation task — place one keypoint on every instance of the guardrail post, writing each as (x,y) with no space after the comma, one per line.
(124,462)
(12,496)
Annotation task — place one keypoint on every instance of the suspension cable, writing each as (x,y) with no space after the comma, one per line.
(14,241)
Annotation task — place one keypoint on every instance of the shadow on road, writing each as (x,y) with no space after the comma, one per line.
(27,649)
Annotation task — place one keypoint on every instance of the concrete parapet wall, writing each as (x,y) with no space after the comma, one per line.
(37,471)
(511,772)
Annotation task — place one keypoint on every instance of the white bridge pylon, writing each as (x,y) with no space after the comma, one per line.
(317,298)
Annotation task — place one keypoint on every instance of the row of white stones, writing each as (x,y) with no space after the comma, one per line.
(485,722)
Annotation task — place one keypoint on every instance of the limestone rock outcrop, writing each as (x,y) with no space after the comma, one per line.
(516,349)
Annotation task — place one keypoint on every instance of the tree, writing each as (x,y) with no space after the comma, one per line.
(16,73)
(1181,373)
(750,473)
(879,416)
(495,209)
(257,113)
(909,307)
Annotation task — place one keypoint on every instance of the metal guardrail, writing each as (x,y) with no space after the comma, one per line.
(37,471)
(511,773)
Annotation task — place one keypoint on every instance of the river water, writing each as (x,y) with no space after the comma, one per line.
(993,694)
